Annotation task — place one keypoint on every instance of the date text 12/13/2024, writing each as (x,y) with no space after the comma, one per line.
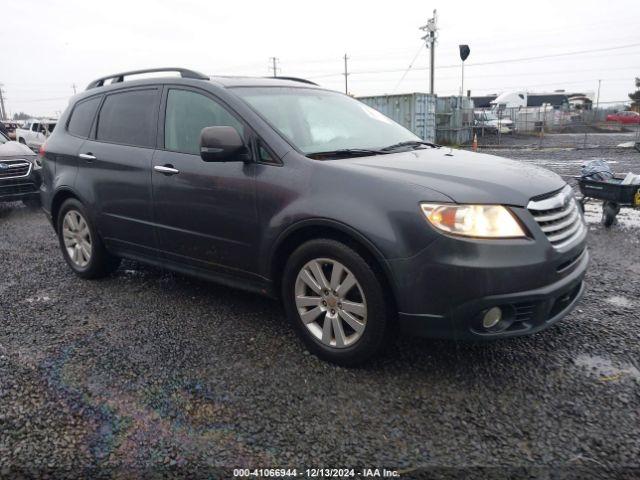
(316,473)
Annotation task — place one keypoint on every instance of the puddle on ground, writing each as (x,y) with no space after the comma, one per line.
(133,273)
(619,301)
(627,217)
(38,298)
(605,369)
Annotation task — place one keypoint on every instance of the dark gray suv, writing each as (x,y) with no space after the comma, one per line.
(281,187)
(19,173)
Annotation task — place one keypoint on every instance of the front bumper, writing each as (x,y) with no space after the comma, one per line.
(16,189)
(444,291)
(528,311)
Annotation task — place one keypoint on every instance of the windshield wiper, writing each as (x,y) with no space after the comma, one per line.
(347,152)
(410,143)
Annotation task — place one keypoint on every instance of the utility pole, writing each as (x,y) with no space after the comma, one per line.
(3,112)
(346,74)
(274,65)
(431,30)
(74,88)
(598,96)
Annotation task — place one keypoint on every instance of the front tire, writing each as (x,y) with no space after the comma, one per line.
(336,302)
(80,243)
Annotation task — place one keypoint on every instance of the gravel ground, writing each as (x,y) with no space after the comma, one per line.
(150,372)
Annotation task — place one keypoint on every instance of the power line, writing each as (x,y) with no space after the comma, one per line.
(496,62)
(521,73)
(34,100)
(415,57)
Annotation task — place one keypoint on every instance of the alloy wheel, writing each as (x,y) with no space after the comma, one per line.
(331,302)
(77,238)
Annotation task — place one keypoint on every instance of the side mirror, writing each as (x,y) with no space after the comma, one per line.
(222,144)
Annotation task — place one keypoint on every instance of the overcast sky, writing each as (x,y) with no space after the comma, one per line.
(50,46)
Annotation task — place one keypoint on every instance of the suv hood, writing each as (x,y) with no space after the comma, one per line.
(11,149)
(464,177)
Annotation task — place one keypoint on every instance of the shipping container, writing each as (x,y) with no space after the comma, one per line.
(414,111)
(454,120)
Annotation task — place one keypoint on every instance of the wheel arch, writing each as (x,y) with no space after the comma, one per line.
(307,230)
(59,198)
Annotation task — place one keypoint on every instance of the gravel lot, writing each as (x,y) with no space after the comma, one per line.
(149,371)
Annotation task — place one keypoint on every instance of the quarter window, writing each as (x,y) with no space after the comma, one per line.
(128,118)
(187,113)
(82,117)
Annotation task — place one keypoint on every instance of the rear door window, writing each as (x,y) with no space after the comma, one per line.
(129,118)
(82,117)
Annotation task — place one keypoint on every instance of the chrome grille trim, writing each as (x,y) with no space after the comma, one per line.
(567,220)
(16,169)
(558,217)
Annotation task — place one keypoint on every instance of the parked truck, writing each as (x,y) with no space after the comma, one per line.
(35,132)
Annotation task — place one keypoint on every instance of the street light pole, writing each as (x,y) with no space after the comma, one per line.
(464,54)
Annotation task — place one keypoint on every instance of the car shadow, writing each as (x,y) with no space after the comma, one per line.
(405,353)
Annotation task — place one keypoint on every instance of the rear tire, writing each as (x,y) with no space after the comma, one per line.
(344,303)
(81,246)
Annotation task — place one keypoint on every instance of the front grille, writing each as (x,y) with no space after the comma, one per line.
(14,168)
(17,189)
(559,217)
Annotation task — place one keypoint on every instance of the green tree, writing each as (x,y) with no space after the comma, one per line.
(21,116)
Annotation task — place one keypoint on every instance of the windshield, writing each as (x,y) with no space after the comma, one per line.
(322,121)
(3,139)
(490,116)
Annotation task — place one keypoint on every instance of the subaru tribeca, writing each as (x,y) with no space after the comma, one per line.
(281,187)
(19,173)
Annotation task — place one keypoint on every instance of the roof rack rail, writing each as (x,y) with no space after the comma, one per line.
(119,77)
(296,79)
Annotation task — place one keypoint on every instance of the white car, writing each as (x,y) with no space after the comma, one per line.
(489,122)
(35,132)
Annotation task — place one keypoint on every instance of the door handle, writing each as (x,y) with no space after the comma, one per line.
(87,156)
(166,169)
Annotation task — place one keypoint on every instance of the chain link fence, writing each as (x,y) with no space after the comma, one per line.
(454,121)
(548,127)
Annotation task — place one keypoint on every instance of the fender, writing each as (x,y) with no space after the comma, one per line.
(64,190)
(267,262)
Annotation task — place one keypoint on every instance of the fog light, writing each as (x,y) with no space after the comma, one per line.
(492,317)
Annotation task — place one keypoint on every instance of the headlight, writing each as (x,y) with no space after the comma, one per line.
(483,221)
